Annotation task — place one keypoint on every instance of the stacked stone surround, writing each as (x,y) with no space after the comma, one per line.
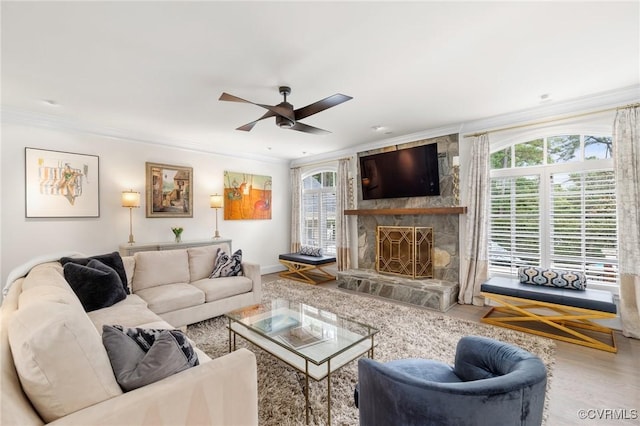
(429,293)
(446,253)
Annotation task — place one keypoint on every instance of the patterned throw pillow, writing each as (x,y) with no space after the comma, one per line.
(311,251)
(141,356)
(552,278)
(227,266)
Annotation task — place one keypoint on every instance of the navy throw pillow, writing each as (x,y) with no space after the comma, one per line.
(96,284)
(114,260)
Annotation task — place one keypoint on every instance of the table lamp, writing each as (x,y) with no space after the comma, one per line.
(216,203)
(130,199)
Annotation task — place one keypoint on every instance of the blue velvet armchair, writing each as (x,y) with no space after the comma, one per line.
(492,383)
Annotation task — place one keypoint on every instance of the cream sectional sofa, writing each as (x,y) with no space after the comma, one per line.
(176,284)
(55,369)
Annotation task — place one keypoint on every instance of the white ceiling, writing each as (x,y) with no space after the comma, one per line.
(154,70)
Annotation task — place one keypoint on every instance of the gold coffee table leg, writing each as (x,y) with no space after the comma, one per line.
(329,392)
(306,389)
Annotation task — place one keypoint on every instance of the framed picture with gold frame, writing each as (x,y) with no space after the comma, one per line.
(169,190)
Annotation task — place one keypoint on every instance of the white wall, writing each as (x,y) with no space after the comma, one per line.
(122,166)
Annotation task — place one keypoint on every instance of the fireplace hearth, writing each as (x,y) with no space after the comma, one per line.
(428,293)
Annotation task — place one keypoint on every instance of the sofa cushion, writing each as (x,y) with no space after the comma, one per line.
(61,362)
(142,356)
(227,266)
(171,297)
(220,288)
(129,263)
(158,324)
(131,312)
(48,293)
(113,260)
(49,274)
(202,260)
(96,284)
(156,268)
(202,356)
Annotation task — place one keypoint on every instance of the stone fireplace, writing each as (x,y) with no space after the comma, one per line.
(440,213)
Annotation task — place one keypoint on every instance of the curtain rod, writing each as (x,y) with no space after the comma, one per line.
(550,120)
(320,162)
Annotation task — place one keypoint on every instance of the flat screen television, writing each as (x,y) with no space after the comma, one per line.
(409,172)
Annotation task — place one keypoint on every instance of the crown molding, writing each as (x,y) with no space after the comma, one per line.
(586,104)
(604,100)
(47,121)
(396,140)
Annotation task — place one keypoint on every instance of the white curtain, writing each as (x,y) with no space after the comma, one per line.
(626,155)
(474,262)
(343,202)
(296,197)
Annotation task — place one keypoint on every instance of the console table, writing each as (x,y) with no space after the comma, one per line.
(130,249)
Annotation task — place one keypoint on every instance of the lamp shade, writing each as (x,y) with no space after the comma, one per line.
(130,199)
(216,201)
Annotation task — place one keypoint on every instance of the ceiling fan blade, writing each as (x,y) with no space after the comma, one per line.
(277,110)
(247,127)
(301,127)
(321,105)
(230,98)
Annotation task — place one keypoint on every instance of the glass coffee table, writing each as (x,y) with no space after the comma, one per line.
(311,340)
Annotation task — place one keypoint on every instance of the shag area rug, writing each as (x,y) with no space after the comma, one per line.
(405,332)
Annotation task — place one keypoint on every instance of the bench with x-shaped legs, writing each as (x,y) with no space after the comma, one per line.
(556,313)
(307,269)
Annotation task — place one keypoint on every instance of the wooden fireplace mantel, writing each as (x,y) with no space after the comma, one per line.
(421,211)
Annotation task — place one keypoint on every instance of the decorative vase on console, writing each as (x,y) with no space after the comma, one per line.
(178,233)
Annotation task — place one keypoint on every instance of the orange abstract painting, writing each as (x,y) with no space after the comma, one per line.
(246,196)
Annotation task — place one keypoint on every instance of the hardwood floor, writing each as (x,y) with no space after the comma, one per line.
(601,386)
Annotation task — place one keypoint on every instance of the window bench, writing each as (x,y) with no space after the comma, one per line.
(552,312)
(307,269)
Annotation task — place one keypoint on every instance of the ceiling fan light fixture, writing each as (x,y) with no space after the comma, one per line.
(284,122)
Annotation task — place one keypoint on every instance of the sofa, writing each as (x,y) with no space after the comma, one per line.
(175,284)
(56,369)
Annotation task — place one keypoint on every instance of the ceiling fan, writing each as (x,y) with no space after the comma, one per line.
(286,116)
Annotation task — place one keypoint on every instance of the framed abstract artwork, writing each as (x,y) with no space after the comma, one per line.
(246,196)
(61,184)
(169,190)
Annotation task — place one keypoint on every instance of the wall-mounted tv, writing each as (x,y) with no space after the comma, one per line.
(409,172)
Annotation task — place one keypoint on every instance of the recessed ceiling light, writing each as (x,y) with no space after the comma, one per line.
(50,102)
(546,97)
(377,128)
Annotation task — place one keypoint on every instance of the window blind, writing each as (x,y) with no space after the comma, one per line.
(583,224)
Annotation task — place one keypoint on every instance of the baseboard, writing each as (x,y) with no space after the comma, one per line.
(272,269)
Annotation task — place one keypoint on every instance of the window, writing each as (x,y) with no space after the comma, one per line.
(319,211)
(553,204)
